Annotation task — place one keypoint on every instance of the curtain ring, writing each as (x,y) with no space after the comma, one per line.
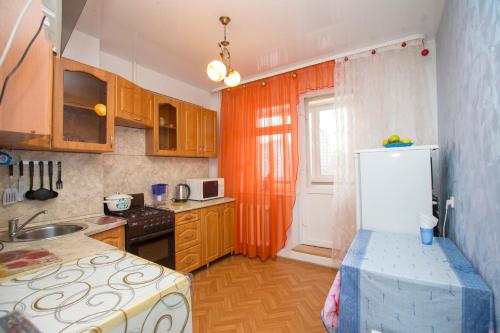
(294,75)
(263,83)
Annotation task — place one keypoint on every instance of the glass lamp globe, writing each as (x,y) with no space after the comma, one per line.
(233,79)
(216,70)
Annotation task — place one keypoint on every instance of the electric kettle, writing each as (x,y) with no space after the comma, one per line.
(182,192)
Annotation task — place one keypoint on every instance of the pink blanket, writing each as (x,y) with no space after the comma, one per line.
(330,312)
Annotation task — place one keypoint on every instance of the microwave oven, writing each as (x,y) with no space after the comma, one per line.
(205,188)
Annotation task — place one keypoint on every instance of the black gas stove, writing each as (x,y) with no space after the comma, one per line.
(149,232)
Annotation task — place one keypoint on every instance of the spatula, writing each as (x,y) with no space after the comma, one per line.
(42,193)
(21,186)
(10,193)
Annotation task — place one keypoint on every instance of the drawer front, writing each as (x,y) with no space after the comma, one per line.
(185,217)
(188,260)
(187,235)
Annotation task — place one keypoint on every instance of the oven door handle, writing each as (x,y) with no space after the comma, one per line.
(141,239)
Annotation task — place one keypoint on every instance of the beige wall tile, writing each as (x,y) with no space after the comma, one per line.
(89,177)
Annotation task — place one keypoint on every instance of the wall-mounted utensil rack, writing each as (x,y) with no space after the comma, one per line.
(36,162)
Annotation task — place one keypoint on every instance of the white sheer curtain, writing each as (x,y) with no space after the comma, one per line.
(391,92)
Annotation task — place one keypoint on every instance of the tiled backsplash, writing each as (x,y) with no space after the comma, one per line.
(89,177)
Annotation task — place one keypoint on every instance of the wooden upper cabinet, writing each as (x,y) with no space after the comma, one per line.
(208,133)
(198,131)
(147,104)
(190,129)
(26,109)
(134,105)
(84,107)
(210,230)
(162,139)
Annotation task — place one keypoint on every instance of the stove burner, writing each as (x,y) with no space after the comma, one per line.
(143,220)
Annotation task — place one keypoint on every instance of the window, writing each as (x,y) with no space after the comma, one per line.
(274,141)
(321,125)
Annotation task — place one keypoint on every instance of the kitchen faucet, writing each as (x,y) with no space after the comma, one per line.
(13,223)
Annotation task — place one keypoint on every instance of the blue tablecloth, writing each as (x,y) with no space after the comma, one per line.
(393,283)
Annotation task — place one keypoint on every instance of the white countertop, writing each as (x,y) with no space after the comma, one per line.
(190,205)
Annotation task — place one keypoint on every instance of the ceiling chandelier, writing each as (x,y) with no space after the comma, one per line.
(219,70)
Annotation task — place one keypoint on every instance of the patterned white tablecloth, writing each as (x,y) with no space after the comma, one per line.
(109,292)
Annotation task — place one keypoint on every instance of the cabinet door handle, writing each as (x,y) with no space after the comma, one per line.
(137,118)
(188,237)
(189,261)
(111,141)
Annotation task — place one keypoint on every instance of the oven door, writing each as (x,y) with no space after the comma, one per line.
(158,247)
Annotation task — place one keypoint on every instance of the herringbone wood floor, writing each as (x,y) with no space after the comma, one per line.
(236,294)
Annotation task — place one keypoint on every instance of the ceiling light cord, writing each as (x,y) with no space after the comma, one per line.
(8,76)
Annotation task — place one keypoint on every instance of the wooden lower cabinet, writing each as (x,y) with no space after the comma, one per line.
(188,260)
(227,227)
(203,235)
(211,234)
(114,237)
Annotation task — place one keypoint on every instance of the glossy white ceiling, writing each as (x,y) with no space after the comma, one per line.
(179,37)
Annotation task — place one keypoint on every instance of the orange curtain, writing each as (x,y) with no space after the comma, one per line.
(259,155)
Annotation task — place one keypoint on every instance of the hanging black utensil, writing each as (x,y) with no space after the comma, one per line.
(42,193)
(51,172)
(29,194)
(21,185)
(59,183)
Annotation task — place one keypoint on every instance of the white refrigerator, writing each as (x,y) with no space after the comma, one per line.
(393,186)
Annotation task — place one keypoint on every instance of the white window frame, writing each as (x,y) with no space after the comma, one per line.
(314,177)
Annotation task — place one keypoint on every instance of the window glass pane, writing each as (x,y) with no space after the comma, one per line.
(322,145)
(167,116)
(327,143)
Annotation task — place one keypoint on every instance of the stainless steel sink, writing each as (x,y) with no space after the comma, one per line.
(49,231)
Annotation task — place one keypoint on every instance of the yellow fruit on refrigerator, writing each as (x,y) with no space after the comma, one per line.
(394,138)
(406,140)
(385,142)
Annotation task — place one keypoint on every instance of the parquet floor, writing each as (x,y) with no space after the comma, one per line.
(236,294)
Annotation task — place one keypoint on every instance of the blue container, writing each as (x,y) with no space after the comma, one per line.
(159,189)
(426,235)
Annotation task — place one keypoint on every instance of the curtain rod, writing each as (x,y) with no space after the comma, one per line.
(324,59)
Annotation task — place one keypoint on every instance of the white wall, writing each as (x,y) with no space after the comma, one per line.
(83,48)
(86,49)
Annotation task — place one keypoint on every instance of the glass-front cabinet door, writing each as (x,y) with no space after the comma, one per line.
(163,138)
(84,99)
